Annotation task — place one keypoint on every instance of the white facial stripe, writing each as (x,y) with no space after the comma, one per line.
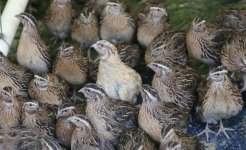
(163,67)
(29,20)
(156,8)
(96,91)
(71,107)
(68,48)
(220,72)
(112,3)
(149,95)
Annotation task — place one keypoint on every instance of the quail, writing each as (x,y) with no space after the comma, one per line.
(47,88)
(177,140)
(135,139)
(118,80)
(108,116)
(203,43)
(32,52)
(64,128)
(72,66)
(58,18)
(168,46)
(155,114)
(233,54)
(218,99)
(116,24)
(14,76)
(85,137)
(10,108)
(25,139)
(38,118)
(175,83)
(128,53)
(232,19)
(85,29)
(153,23)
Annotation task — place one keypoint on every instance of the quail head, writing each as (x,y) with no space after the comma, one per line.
(232,19)
(177,140)
(135,139)
(10,108)
(116,24)
(168,46)
(46,88)
(204,43)
(155,114)
(27,139)
(233,54)
(128,53)
(64,128)
(175,83)
(119,80)
(218,99)
(153,23)
(72,66)
(38,118)
(108,116)
(85,137)
(32,52)
(85,29)
(58,18)
(14,76)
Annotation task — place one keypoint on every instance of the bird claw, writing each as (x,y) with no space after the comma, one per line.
(74,98)
(206,131)
(223,130)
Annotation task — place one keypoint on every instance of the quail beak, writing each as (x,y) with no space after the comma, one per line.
(82,90)
(71,119)
(18,16)
(150,66)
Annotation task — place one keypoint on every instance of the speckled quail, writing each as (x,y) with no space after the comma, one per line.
(58,18)
(10,108)
(85,137)
(175,83)
(233,54)
(135,139)
(14,76)
(108,116)
(38,118)
(204,43)
(116,24)
(47,88)
(72,66)
(177,140)
(169,46)
(85,29)
(155,114)
(32,52)
(151,24)
(25,139)
(118,80)
(64,128)
(219,99)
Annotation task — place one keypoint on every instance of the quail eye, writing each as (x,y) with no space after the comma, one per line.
(101,45)
(65,110)
(30,104)
(158,9)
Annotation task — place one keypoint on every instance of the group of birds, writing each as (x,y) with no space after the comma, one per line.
(37,113)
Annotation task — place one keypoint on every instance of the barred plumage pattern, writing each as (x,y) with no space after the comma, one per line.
(168,46)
